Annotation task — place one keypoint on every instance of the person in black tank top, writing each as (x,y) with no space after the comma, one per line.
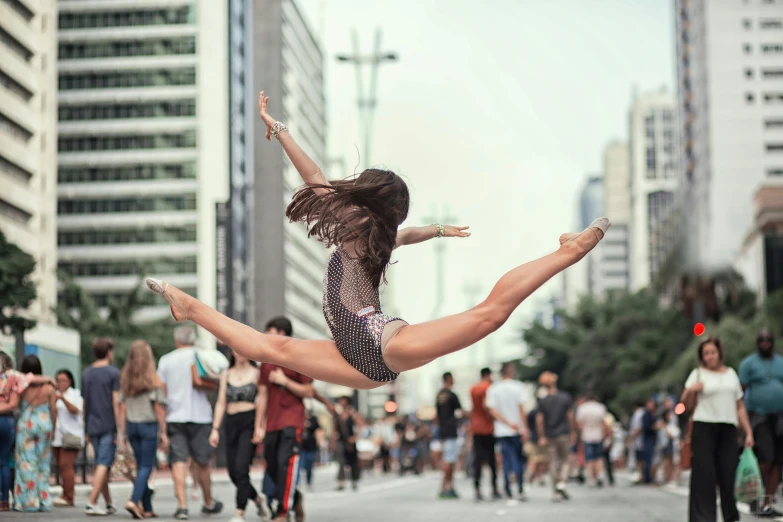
(236,401)
(361,216)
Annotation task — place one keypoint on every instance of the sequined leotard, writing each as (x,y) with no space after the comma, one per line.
(352,309)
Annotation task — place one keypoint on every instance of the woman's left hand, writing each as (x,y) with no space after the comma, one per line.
(749,441)
(452,231)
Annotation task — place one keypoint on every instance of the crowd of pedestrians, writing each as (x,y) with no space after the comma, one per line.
(141,412)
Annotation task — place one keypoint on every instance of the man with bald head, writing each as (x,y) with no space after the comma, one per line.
(761,375)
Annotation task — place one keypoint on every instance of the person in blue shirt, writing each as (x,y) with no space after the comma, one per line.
(761,375)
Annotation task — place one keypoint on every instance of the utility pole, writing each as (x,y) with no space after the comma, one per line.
(440,268)
(367,102)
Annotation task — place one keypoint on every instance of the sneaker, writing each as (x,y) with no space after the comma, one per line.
(599,483)
(444,495)
(561,489)
(237,518)
(61,502)
(299,514)
(355,486)
(94,511)
(479,497)
(181,514)
(263,508)
(497,496)
(214,509)
(110,509)
(522,497)
(557,497)
(452,494)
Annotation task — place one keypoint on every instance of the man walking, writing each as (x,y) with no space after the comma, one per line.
(761,375)
(448,406)
(557,432)
(482,426)
(100,385)
(189,420)
(280,419)
(591,420)
(506,403)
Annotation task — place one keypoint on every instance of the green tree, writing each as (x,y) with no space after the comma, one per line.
(604,346)
(17,292)
(77,309)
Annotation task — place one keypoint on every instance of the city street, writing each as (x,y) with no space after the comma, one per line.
(412,499)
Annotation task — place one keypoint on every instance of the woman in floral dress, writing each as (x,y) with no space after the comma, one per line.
(34,443)
(12,385)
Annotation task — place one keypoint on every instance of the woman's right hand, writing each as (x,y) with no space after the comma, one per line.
(214,438)
(267,119)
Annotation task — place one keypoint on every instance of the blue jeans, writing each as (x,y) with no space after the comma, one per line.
(306,462)
(7,434)
(143,438)
(648,452)
(514,461)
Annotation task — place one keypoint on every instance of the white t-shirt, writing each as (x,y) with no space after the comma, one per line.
(506,397)
(591,415)
(636,422)
(67,422)
(184,403)
(717,403)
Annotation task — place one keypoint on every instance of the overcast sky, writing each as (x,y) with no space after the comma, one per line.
(497,110)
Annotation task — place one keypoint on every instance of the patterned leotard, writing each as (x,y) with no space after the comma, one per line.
(352,309)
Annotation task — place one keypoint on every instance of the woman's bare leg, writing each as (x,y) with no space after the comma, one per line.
(416,345)
(317,359)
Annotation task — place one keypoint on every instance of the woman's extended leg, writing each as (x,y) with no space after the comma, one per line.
(317,359)
(416,345)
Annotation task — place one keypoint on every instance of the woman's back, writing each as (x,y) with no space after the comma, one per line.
(39,395)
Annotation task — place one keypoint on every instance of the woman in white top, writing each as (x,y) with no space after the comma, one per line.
(68,434)
(719,408)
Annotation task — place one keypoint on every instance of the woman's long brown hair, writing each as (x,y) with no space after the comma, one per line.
(139,375)
(364,211)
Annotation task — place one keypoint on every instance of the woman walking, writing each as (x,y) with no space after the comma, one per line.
(237,402)
(716,391)
(143,420)
(68,434)
(33,453)
(12,385)
(361,217)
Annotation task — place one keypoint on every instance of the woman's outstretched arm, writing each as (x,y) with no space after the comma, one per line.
(413,235)
(307,168)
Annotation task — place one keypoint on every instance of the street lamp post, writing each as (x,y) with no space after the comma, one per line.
(367,102)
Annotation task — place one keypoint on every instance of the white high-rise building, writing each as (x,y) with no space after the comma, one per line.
(143,143)
(613,251)
(730,81)
(653,184)
(28,139)
(161,148)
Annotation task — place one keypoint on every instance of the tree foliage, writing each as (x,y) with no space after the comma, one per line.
(77,309)
(17,289)
(628,346)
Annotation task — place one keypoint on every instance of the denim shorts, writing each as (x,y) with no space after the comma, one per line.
(593,451)
(450,451)
(105,449)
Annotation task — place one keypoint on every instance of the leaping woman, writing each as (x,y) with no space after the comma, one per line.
(361,216)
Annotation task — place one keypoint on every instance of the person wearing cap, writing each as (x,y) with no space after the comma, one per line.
(556,428)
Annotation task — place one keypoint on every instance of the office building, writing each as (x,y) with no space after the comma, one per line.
(730,82)
(653,183)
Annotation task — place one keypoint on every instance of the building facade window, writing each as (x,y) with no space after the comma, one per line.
(123,79)
(170,16)
(127,173)
(97,143)
(771,23)
(747,48)
(13,212)
(772,73)
(151,204)
(15,46)
(9,167)
(129,48)
(123,111)
(750,97)
(10,128)
(21,9)
(184,265)
(120,237)
(14,87)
